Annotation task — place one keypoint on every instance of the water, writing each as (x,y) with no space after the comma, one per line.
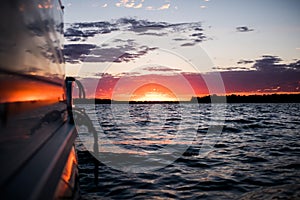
(175,151)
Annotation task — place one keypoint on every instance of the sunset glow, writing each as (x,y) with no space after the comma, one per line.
(153,92)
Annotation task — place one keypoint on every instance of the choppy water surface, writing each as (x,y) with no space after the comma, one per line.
(175,151)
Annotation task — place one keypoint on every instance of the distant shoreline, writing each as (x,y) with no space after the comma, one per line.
(270,98)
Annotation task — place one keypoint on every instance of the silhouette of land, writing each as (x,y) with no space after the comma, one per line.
(266,98)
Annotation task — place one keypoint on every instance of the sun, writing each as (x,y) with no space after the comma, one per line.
(153,92)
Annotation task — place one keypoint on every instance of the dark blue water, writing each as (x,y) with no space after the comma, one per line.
(240,151)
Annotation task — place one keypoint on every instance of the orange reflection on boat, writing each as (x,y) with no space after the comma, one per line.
(69,168)
(67,184)
(23,90)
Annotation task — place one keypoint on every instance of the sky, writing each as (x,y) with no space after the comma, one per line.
(184,46)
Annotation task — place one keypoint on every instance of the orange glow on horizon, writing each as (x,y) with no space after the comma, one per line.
(153,92)
(176,88)
(154,96)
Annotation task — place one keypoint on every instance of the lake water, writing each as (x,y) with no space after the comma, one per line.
(190,151)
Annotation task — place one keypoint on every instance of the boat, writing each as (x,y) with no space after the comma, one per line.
(37,134)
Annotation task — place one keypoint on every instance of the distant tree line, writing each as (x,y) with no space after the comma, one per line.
(266,98)
(270,98)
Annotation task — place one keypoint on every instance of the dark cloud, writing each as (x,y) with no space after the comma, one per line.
(294,66)
(106,25)
(74,33)
(71,32)
(74,53)
(179,39)
(198,29)
(74,39)
(82,31)
(230,68)
(269,63)
(103,74)
(126,41)
(142,25)
(201,35)
(128,74)
(245,62)
(154,34)
(268,74)
(261,81)
(188,44)
(96,27)
(252,81)
(160,69)
(127,49)
(243,29)
(198,37)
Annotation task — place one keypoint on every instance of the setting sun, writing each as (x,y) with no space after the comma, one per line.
(153,92)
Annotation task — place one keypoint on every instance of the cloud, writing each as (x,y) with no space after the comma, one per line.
(192,33)
(245,62)
(179,39)
(141,25)
(294,66)
(164,7)
(265,64)
(153,34)
(277,78)
(130,4)
(82,31)
(150,8)
(243,29)
(231,68)
(145,27)
(199,36)
(188,44)
(76,53)
(284,80)
(128,74)
(126,41)
(193,39)
(269,63)
(138,6)
(160,69)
